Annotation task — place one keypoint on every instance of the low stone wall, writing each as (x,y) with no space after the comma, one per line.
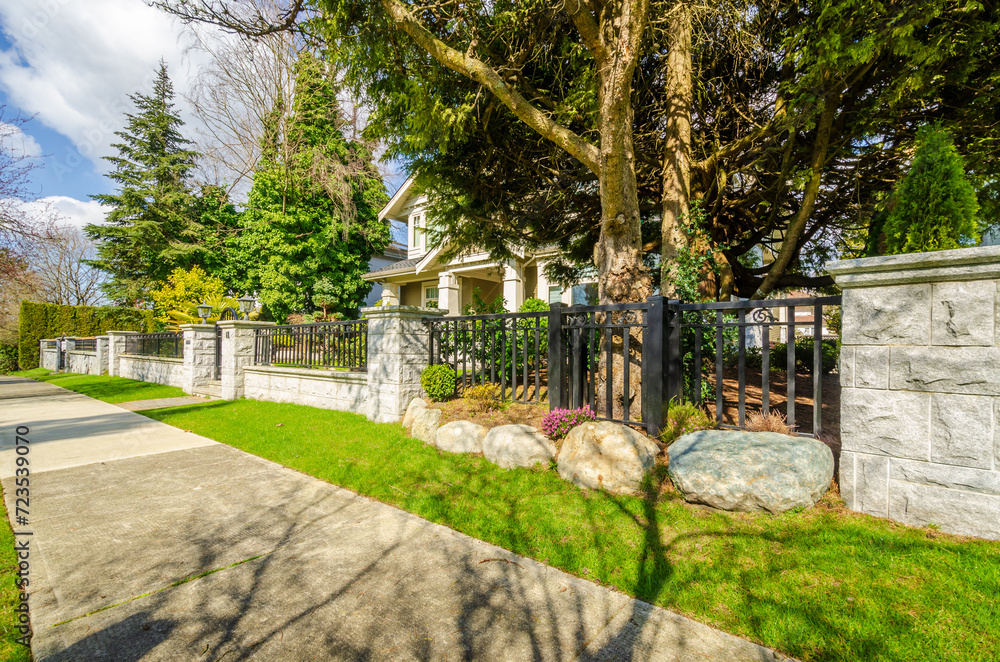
(920,373)
(153,369)
(82,362)
(49,359)
(325,389)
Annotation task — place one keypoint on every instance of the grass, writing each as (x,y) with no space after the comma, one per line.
(822,584)
(10,650)
(108,389)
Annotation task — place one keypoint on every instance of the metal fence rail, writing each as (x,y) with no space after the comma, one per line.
(85,344)
(722,329)
(51,344)
(164,345)
(337,345)
(508,350)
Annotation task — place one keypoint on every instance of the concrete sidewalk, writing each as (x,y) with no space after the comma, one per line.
(154,544)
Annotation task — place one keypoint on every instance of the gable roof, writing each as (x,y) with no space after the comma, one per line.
(399,198)
(396,267)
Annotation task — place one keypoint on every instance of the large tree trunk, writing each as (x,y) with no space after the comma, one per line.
(677,148)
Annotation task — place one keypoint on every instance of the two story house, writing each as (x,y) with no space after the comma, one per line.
(425,279)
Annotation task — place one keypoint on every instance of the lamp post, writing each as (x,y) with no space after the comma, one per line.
(204,312)
(246,305)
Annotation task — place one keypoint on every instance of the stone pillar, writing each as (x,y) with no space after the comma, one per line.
(397,354)
(102,354)
(237,353)
(199,355)
(513,286)
(116,347)
(920,398)
(390,294)
(449,295)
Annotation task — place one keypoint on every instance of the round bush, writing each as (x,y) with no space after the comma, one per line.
(438,381)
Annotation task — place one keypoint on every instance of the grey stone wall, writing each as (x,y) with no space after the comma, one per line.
(48,358)
(920,377)
(397,353)
(199,355)
(116,347)
(325,389)
(155,369)
(82,362)
(237,354)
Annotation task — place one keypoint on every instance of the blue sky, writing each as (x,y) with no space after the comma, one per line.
(71,65)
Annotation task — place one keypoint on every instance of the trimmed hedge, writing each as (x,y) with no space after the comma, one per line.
(47,320)
(8,358)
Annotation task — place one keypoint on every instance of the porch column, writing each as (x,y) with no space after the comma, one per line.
(449,295)
(513,286)
(237,353)
(390,294)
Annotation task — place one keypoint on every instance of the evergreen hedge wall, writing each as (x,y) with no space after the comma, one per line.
(46,320)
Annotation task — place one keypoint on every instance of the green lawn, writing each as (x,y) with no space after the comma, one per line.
(10,650)
(108,389)
(824,584)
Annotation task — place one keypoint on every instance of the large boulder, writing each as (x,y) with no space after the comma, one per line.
(606,456)
(425,424)
(460,437)
(416,404)
(748,471)
(512,446)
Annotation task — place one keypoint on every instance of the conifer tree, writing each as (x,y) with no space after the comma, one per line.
(934,206)
(143,238)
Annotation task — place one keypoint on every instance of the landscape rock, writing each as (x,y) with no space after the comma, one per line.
(606,456)
(416,404)
(747,471)
(460,437)
(510,446)
(425,424)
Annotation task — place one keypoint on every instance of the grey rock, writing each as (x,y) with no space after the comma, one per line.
(510,446)
(606,456)
(460,437)
(425,424)
(415,405)
(749,471)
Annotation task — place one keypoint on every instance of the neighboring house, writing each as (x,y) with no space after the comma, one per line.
(425,279)
(393,253)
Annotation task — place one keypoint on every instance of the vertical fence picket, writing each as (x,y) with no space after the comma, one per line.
(741,362)
(817,370)
(790,367)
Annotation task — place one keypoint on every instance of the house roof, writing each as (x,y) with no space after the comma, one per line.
(395,204)
(396,267)
(395,250)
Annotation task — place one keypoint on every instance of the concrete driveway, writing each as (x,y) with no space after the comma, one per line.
(149,543)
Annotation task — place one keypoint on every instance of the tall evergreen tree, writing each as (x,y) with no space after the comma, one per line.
(935,206)
(312,212)
(150,226)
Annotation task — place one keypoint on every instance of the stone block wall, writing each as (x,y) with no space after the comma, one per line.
(48,358)
(155,369)
(324,389)
(199,355)
(237,354)
(82,362)
(920,377)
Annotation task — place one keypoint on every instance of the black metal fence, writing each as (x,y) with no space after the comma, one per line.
(85,344)
(164,345)
(337,345)
(51,344)
(509,350)
(626,361)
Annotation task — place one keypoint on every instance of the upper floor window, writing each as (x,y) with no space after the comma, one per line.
(419,234)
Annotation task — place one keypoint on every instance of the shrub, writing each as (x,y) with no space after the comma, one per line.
(773,421)
(8,358)
(558,422)
(804,355)
(683,419)
(482,398)
(438,381)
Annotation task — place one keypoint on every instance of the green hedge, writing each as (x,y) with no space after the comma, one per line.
(46,320)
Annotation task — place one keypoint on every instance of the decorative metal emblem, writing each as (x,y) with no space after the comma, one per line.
(762,316)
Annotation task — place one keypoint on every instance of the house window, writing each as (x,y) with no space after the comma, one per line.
(418,233)
(555,294)
(431,296)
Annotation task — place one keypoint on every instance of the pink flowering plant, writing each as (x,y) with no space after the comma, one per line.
(558,422)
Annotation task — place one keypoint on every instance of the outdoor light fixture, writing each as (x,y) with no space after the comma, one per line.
(246,305)
(204,312)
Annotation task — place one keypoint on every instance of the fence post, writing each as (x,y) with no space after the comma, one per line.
(672,357)
(199,355)
(653,358)
(557,358)
(237,345)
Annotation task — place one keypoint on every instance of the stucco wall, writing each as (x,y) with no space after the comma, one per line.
(325,389)
(151,369)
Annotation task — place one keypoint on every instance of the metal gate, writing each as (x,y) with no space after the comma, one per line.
(227,314)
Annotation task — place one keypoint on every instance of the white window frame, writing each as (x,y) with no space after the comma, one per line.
(423,294)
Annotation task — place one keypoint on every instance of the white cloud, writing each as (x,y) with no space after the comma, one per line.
(17,143)
(74,63)
(64,210)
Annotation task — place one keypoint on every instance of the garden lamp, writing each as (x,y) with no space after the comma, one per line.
(204,312)
(246,305)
